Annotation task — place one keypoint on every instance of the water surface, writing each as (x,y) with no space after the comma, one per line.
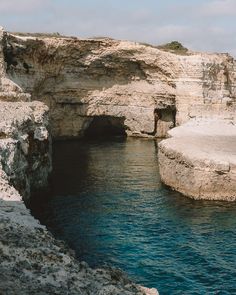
(109,205)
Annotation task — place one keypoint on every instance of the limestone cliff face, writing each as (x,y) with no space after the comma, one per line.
(84,79)
(206,87)
(25,146)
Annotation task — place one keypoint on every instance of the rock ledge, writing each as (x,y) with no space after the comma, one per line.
(199,160)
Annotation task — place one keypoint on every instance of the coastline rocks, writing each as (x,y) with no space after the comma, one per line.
(31,260)
(199,160)
(83,79)
(80,81)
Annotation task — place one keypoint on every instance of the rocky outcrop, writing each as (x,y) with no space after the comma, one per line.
(31,260)
(81,80)
(25,146)
(199,160)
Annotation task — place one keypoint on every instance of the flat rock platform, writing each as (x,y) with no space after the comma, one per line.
(199,160)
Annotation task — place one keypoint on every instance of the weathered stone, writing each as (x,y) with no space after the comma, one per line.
(25,157)
(82,79)
(200,160)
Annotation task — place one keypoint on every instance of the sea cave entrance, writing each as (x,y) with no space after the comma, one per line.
(105,126)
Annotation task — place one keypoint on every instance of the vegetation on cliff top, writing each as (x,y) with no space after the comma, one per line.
(174,47)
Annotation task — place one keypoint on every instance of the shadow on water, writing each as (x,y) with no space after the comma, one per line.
(108,203)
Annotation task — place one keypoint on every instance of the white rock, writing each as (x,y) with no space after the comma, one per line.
(199,160)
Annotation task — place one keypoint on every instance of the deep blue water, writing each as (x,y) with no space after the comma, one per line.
(109,204)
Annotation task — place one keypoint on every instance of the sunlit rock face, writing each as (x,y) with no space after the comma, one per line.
(83,79)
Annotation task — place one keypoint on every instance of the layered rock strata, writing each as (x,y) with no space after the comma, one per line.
(31,260)
(199,160)
(85,79)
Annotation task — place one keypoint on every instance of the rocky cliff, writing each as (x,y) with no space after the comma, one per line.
(25,147)
(86,84)
(120,82)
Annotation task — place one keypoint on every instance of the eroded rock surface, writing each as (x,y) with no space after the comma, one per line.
(83,79)
(199,160)
(25,145)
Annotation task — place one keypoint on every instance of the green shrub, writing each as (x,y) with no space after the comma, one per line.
(174,47)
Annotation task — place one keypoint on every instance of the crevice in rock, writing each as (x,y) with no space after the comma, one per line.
(165,114)
(168,114)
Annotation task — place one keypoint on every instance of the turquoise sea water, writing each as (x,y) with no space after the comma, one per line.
(109,204)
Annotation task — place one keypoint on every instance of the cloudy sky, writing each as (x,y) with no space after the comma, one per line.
(207,25)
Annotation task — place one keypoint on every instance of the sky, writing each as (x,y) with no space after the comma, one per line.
(205,25)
